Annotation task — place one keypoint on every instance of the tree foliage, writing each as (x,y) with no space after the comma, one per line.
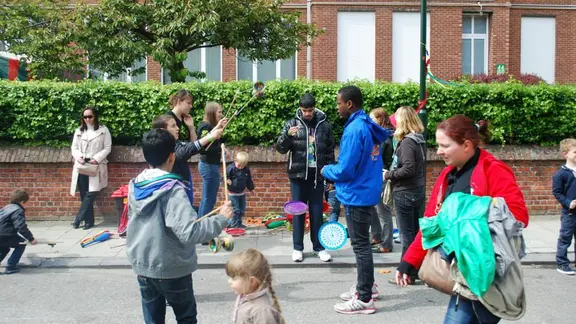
(113,34)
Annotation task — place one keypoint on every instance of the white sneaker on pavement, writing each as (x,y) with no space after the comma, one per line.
(323,255)
(351,294)
(297,256)
(355,306)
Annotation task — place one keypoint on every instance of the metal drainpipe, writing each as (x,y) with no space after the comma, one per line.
(308,47)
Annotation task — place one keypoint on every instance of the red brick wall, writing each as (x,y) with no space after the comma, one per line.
(49,183)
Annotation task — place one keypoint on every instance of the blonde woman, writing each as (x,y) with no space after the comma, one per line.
(209,166)
(407,179)
(91,144)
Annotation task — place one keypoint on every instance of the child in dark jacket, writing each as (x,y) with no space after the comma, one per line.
(239,178)
(564,189)
(12,228)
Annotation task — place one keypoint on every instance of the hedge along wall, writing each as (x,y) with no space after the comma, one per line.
(45,112)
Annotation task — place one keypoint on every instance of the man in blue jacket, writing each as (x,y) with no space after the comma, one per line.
(358,180)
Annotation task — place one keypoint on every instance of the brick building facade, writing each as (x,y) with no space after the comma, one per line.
(378,40)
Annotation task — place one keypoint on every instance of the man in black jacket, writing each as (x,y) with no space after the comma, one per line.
(12,222)
(309,142)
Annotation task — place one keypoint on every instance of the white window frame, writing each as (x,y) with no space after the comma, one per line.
(472,36)
(278,69)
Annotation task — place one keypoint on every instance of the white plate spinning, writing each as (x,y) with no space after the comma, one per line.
(332,236)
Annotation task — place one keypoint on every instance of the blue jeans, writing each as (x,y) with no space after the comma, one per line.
(335,206)
(468,312)
(358,221)
(210,174)
(177,292)
(567,231)
(15,257)
(305,191)
(239,205)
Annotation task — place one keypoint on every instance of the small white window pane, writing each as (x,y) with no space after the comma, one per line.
(288,69)
(356,46)
(478,56)
(466,56)
(467,25)
(406,45)
(480,25)
(192,63)
(213,63)
(244,68)
(266,71)
(538,47)
(166,75)
(140,77)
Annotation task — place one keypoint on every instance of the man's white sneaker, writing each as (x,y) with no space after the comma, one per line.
(351,294)
(356,306)
(323,255)
(297,256)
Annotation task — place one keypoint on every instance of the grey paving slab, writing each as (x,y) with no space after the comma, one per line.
(540,236)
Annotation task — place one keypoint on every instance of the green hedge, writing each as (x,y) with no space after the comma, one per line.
(47,113)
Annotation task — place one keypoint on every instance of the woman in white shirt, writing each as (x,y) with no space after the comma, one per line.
(91,144)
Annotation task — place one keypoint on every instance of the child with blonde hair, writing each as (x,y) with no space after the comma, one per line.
(239,179)
(251,278)
(564,190)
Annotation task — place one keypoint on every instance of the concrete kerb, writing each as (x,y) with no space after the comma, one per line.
(218,262)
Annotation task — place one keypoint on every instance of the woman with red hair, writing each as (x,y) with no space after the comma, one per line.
(471,170)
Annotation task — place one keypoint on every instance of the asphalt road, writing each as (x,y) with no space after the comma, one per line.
(63,296)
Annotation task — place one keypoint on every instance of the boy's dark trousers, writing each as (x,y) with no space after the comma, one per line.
(239,205)
(567,231)
(310,192)
(15,257)
(358,220)
(178,292)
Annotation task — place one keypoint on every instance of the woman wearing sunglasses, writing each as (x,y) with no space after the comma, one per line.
(91,145)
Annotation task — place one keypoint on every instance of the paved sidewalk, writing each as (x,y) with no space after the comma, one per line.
(541,236)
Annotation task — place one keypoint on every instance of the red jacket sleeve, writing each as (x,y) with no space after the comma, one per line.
(502,183)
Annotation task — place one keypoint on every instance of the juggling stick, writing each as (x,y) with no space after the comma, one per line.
(257,92)
(224,168)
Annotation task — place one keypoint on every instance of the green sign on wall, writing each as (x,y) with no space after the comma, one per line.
(500,69)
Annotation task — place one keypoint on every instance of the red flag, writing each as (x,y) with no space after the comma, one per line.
(13,66)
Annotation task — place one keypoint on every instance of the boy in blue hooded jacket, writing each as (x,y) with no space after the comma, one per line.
(358,180)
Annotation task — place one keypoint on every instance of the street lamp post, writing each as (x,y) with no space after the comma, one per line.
(423,71)
(423,114)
